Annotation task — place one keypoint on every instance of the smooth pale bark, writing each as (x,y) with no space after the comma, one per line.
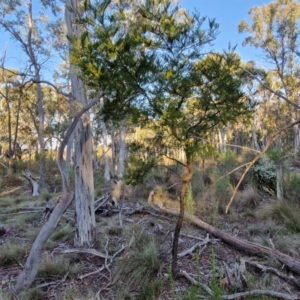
(296,131)
(70,146)
(39,95)
(105,147)
(122,151)
(83,147)
(254,135)
(279,182)
(223,137)
(34,184)
(113,151)
(30,268)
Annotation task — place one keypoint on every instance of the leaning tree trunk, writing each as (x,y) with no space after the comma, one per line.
(84,179)
(30,268)
(179,223)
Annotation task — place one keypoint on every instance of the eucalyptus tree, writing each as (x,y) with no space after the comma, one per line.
(8,91)
(84,179)
(149,58)
(275,30)
(28,30)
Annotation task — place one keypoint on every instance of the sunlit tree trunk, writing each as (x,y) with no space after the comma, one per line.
(122,151)
(39,95)
(105,148)
(113,151)
(84,179)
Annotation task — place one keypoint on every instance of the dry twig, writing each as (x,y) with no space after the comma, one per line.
(194,247)
(290,279)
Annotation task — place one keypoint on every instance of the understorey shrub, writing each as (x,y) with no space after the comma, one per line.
(264,174)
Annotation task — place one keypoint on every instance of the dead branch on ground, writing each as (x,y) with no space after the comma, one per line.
(291,263)
(289,279)
(194,247)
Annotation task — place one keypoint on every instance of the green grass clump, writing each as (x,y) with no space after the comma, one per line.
(139,267)
(56,267)
(114,230)
(31,294)
(215,286)
(11,252)
(284,212)
(190,206)
(63,233)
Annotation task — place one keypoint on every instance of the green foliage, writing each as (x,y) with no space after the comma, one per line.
(31,294)
(11,253)
(215,286)
(139,267)
(227,161)
(189,201)
(151,291)
(264,174)
(134,63)
(63,233)
(222,189)
(58,266)
(137,168)
(292,187)
(276,155)
(284,212)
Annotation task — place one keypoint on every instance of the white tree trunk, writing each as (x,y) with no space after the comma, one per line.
(39,95)
(30,268)
(122,151)
(113,151)
(105,148)
(84,179)
(223,137)
(279,184)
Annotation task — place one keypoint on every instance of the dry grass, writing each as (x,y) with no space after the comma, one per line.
(139,267)
(63,233)
(246,199)
(289,244)
(51,268)
(11,253)
(282,211)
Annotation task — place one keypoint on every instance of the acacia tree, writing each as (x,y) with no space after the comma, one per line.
(148,57)
(275,30)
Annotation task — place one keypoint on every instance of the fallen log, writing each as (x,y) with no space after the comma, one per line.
(33,182)
(291,263)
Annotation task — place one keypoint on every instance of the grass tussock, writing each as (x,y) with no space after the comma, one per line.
(139,266)
(282,211)
(63,233)
(11,253)
(289,244)
(248,198)
(57,267)
(31,294)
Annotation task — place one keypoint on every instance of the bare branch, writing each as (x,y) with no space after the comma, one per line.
(251,164)
(280,95)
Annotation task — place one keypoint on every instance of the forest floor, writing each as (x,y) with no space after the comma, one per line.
(133,255)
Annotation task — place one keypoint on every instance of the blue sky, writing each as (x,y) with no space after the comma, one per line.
(228,14)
